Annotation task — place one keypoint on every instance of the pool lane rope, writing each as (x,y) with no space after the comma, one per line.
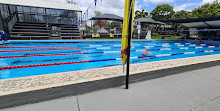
(39,50)
(150,45)
(62,54)
(90,61)
(70,58)
(36,47)
(105,48)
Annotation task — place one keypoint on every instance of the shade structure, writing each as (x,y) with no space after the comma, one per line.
(108,17)
(198,22)
(148,20)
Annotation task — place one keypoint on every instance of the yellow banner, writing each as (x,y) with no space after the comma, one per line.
(125,32)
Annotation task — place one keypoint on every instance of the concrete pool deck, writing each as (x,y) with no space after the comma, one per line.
(196,90)
(32,89)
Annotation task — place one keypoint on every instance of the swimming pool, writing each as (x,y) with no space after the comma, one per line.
(28,58)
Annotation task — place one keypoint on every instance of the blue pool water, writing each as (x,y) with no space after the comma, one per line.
(28,58)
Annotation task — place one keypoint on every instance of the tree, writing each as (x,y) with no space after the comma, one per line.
(140,14)
(99,23)
(183,15)
(162,12)
(114,24)
(207,10)
(98,13)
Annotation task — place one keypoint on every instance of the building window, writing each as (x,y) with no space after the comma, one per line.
(21,17)
(53,12)
(34,10)
(27,10)
(41,11)
(20,9)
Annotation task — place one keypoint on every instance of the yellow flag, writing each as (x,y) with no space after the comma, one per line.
(125,32)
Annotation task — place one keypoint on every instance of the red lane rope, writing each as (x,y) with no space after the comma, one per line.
(40,55)
(38,50)
(39,65)
(39,46)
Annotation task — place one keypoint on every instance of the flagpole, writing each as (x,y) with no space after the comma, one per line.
(129,43)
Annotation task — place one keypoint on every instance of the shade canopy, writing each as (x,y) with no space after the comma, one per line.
(148,20)
(108,17)
(198,22)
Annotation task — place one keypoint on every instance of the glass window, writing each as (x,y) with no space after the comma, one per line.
(40,18)
(58,20)
(1,11)
(27,10)
(48,11)
(5,12)
(34,10)
(59,12)
(52,19)
(65,13)
(44,18)
(34,18)
(12,9)
(53,12)
(21,17)
(71,13)
(27,18)
(20,9)
(41,11)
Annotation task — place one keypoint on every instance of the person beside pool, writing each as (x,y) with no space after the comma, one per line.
(0,37)
(145,53)
(4,35)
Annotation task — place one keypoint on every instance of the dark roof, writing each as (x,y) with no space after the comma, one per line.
(193,20)
(198,22)
(107,17)
(148,20)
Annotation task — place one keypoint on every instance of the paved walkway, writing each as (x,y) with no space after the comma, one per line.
(197,90)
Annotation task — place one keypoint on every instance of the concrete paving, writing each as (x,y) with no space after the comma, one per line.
(197,90)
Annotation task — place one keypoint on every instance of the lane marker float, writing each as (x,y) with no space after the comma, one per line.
(76,62)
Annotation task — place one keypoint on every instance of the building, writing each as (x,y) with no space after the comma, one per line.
(39,19)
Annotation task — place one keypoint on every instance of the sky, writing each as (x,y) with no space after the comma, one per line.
(117,6)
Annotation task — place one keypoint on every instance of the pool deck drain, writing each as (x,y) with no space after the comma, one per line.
(48,82)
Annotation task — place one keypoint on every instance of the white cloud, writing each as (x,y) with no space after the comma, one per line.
(207,1)
(160,1)
(184,6)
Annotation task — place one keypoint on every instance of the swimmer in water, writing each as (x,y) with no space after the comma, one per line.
(166,45)
(145,53)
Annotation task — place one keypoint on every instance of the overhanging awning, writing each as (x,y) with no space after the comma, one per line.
(108,17)
(198,22)
(148,20)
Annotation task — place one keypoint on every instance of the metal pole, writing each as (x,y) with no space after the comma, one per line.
(129,44)
(139,29)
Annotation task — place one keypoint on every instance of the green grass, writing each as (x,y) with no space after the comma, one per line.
(102,38)
(118,38)
(169,38)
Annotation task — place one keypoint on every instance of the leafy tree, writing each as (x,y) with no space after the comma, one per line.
(140,14)
(162,12)
(207,10)
(99,23)
(183,15)
(114,24)
(98,13)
